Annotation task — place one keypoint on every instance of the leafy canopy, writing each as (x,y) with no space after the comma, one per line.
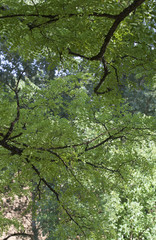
(118,35)
(75,134)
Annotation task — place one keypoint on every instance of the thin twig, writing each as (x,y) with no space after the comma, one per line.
(16,91)
(19,234)
(106,72)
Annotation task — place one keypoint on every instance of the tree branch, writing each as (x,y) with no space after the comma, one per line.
(18,151)
(11,128)
(115,25)
(116,72)
(13,149)
(12,124)
(101,143)
(66,166)
(102,167)
(56,17)
(106,72)
(111,16)
(43,180)
(112,137)
(19,234)
(77,54)
(56,194)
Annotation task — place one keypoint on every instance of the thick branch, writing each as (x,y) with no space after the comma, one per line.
(13,149)
(54,18)
(118,19)
(116,23)
(86,143)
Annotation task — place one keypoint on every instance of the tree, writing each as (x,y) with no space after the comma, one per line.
(122,35)
(94,150)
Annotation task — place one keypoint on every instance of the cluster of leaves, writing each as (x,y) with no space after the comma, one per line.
(120,33)
(83,157)
(13,66)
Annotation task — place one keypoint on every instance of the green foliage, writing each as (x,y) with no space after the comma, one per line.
(87,155)
(73,139)
(12,66)
(140,95)
(52,28)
